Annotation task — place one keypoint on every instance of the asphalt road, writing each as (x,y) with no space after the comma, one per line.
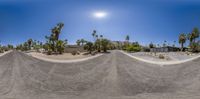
(110,76)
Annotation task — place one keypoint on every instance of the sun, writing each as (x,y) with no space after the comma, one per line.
(100,14)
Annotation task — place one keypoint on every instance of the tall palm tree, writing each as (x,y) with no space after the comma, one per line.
(127,39)
(101,36)
(182,40)
(94,34)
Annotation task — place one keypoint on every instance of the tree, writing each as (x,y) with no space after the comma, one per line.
(10,46)
(98,45)
(164,44)
(94,34)
(195,33)
(105,43)
(30,41)
(57,30)
(182,40)
(127,38)
(195,47)
(66,42)
(60,45)
(89,47)
(82,41)
(25,46)
(53,43)
(78,42)
(190,37)
(151,45)
(101,36)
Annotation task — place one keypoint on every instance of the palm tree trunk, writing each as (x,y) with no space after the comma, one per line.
(181,46)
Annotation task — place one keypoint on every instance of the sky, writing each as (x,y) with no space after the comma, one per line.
(144,21)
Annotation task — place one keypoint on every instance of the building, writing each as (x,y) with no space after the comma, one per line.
(165,49)
(71,48)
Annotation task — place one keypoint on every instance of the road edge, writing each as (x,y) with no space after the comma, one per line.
(5,53)
(65,61)
(161,63)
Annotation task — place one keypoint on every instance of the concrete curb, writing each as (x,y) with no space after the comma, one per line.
(161,63)
(66,61)
(5,53)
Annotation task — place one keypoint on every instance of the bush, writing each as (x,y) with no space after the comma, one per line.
(49,52)
(161,56)
(89,47)
(74,52)
(194,47)
(133,48)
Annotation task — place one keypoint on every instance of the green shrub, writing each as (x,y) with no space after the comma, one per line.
(194,47)
(133,48)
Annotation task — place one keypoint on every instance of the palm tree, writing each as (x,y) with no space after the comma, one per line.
(94,34)
(30,41)
(78,42)
(101,36)
(182,40)
(190,37)
(82,41)
(127,38)
(195,33)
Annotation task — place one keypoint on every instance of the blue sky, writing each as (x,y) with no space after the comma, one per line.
(145,21)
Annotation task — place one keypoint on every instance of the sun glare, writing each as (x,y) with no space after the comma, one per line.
(100,14)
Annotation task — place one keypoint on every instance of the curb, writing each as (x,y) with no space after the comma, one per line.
(65,61)
(161,63)
(5,53)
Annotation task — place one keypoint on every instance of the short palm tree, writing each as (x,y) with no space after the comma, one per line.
(190,37)
(82,41)
(78,42)
(195,33)
(30,41)
(182,40)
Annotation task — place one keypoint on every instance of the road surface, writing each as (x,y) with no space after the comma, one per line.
(110,76)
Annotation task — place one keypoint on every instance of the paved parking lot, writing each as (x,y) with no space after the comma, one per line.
(112,75)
